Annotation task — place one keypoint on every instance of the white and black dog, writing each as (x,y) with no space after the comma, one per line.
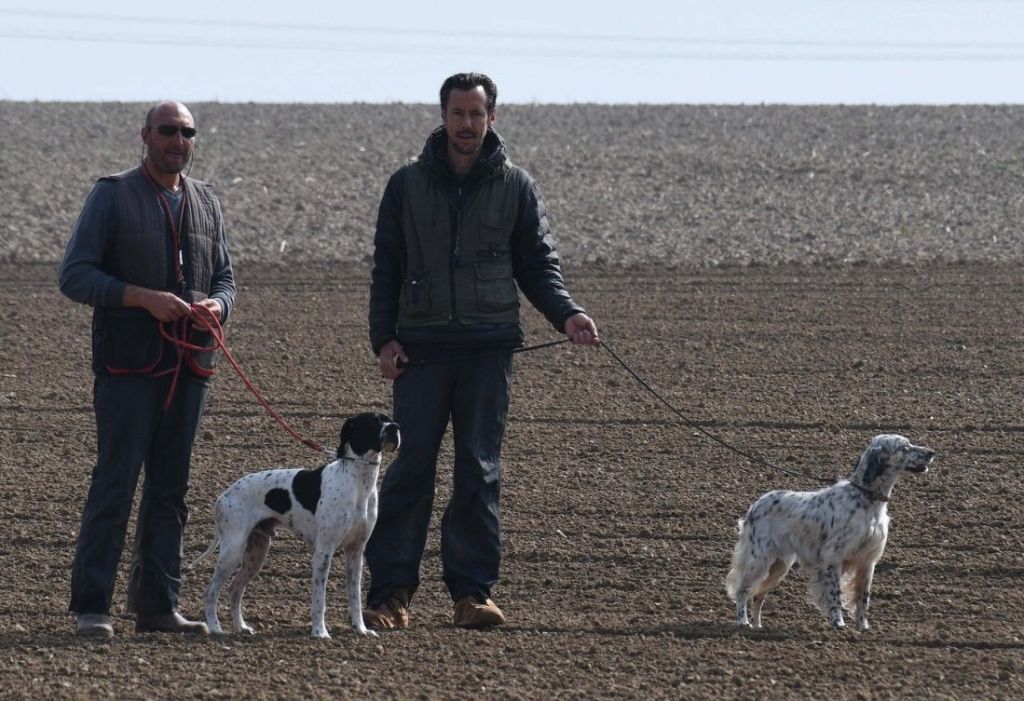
(837,534)
(329,507)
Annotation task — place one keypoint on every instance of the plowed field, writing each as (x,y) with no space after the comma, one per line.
(619,518)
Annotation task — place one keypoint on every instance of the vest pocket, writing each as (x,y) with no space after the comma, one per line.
(130,341)
(415,300)
(493,229)
(201,363)
(495,287)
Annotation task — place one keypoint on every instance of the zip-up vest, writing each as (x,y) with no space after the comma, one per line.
(458,264)
(143,252)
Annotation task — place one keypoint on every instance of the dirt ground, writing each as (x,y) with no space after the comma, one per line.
(619,519)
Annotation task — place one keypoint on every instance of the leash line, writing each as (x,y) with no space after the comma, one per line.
(692,424)
(643,383)
(437,361)
(208,321)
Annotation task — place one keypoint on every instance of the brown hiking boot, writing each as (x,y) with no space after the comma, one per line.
(470,612)
(390,614)
(172,622)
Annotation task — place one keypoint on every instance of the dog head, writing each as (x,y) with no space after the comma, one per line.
(367,435)
(887,457)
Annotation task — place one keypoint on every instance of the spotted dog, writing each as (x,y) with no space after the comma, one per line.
(837,534)
(329,507)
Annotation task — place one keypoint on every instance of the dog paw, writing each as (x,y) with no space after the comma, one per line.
(247,629)
(321,634)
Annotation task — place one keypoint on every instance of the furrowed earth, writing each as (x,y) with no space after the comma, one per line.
(791,280)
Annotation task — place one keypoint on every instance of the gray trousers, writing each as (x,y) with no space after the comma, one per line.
(133,431)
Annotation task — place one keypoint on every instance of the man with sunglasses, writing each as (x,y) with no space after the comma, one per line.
(149,243)
(460,232)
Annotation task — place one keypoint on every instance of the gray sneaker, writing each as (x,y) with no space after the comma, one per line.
(94,625)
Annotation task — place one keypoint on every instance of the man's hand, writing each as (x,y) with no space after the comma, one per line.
(213,305)
(390,353)
(580,328)
(165,306)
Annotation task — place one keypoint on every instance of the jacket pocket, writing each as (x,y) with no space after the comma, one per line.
(130,342)
(495,288)
(494,233)
(415,300)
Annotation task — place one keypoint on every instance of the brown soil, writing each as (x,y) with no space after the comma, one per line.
(619,519)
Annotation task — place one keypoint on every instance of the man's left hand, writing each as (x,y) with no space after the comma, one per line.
(211,304)
(580,329)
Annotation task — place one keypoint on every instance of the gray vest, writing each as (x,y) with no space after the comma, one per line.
(458,264)
(143,251)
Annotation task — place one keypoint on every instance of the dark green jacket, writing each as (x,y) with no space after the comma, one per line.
(450,253)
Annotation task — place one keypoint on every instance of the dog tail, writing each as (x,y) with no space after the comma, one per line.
(740,556)
(206,554)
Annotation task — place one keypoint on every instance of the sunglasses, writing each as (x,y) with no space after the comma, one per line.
(172,129)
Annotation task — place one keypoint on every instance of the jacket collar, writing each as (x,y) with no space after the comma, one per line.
(493,155)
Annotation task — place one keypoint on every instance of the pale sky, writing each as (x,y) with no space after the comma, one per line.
(651,51)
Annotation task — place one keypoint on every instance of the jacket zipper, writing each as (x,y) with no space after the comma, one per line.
(456,215)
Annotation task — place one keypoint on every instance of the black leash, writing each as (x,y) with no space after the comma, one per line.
(692,424)
(688,421)
(399,363)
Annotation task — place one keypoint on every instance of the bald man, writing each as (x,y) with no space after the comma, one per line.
(148,244)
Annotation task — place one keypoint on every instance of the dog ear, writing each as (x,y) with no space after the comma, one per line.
(343,439)
(873,465)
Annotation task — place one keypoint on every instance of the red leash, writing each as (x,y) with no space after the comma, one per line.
(207,320)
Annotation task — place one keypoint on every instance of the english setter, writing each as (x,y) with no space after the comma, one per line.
(330,507)
(837,534)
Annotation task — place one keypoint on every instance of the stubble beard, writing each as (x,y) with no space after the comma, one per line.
(464,151)
(165,166)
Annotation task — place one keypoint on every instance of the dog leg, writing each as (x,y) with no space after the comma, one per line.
(322,554)
(354,587)
(778,570)
(741,608)
(827,580)
(746,578)
(862,595)
(755,612)
(255,554)
(232,549)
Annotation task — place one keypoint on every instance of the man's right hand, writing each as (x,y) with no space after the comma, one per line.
(390,353)
(165,306)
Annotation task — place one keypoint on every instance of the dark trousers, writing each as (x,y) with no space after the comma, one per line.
(474,394)
(133,430)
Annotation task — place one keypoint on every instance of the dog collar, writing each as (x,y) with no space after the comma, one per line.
(874,496)
(362,460)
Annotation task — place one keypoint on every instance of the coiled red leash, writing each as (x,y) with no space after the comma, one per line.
(206,320)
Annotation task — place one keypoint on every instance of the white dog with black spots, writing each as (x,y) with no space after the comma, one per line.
(331,507)
(837,534)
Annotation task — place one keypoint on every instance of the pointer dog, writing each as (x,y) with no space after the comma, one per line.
(837,534)
(330,507)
